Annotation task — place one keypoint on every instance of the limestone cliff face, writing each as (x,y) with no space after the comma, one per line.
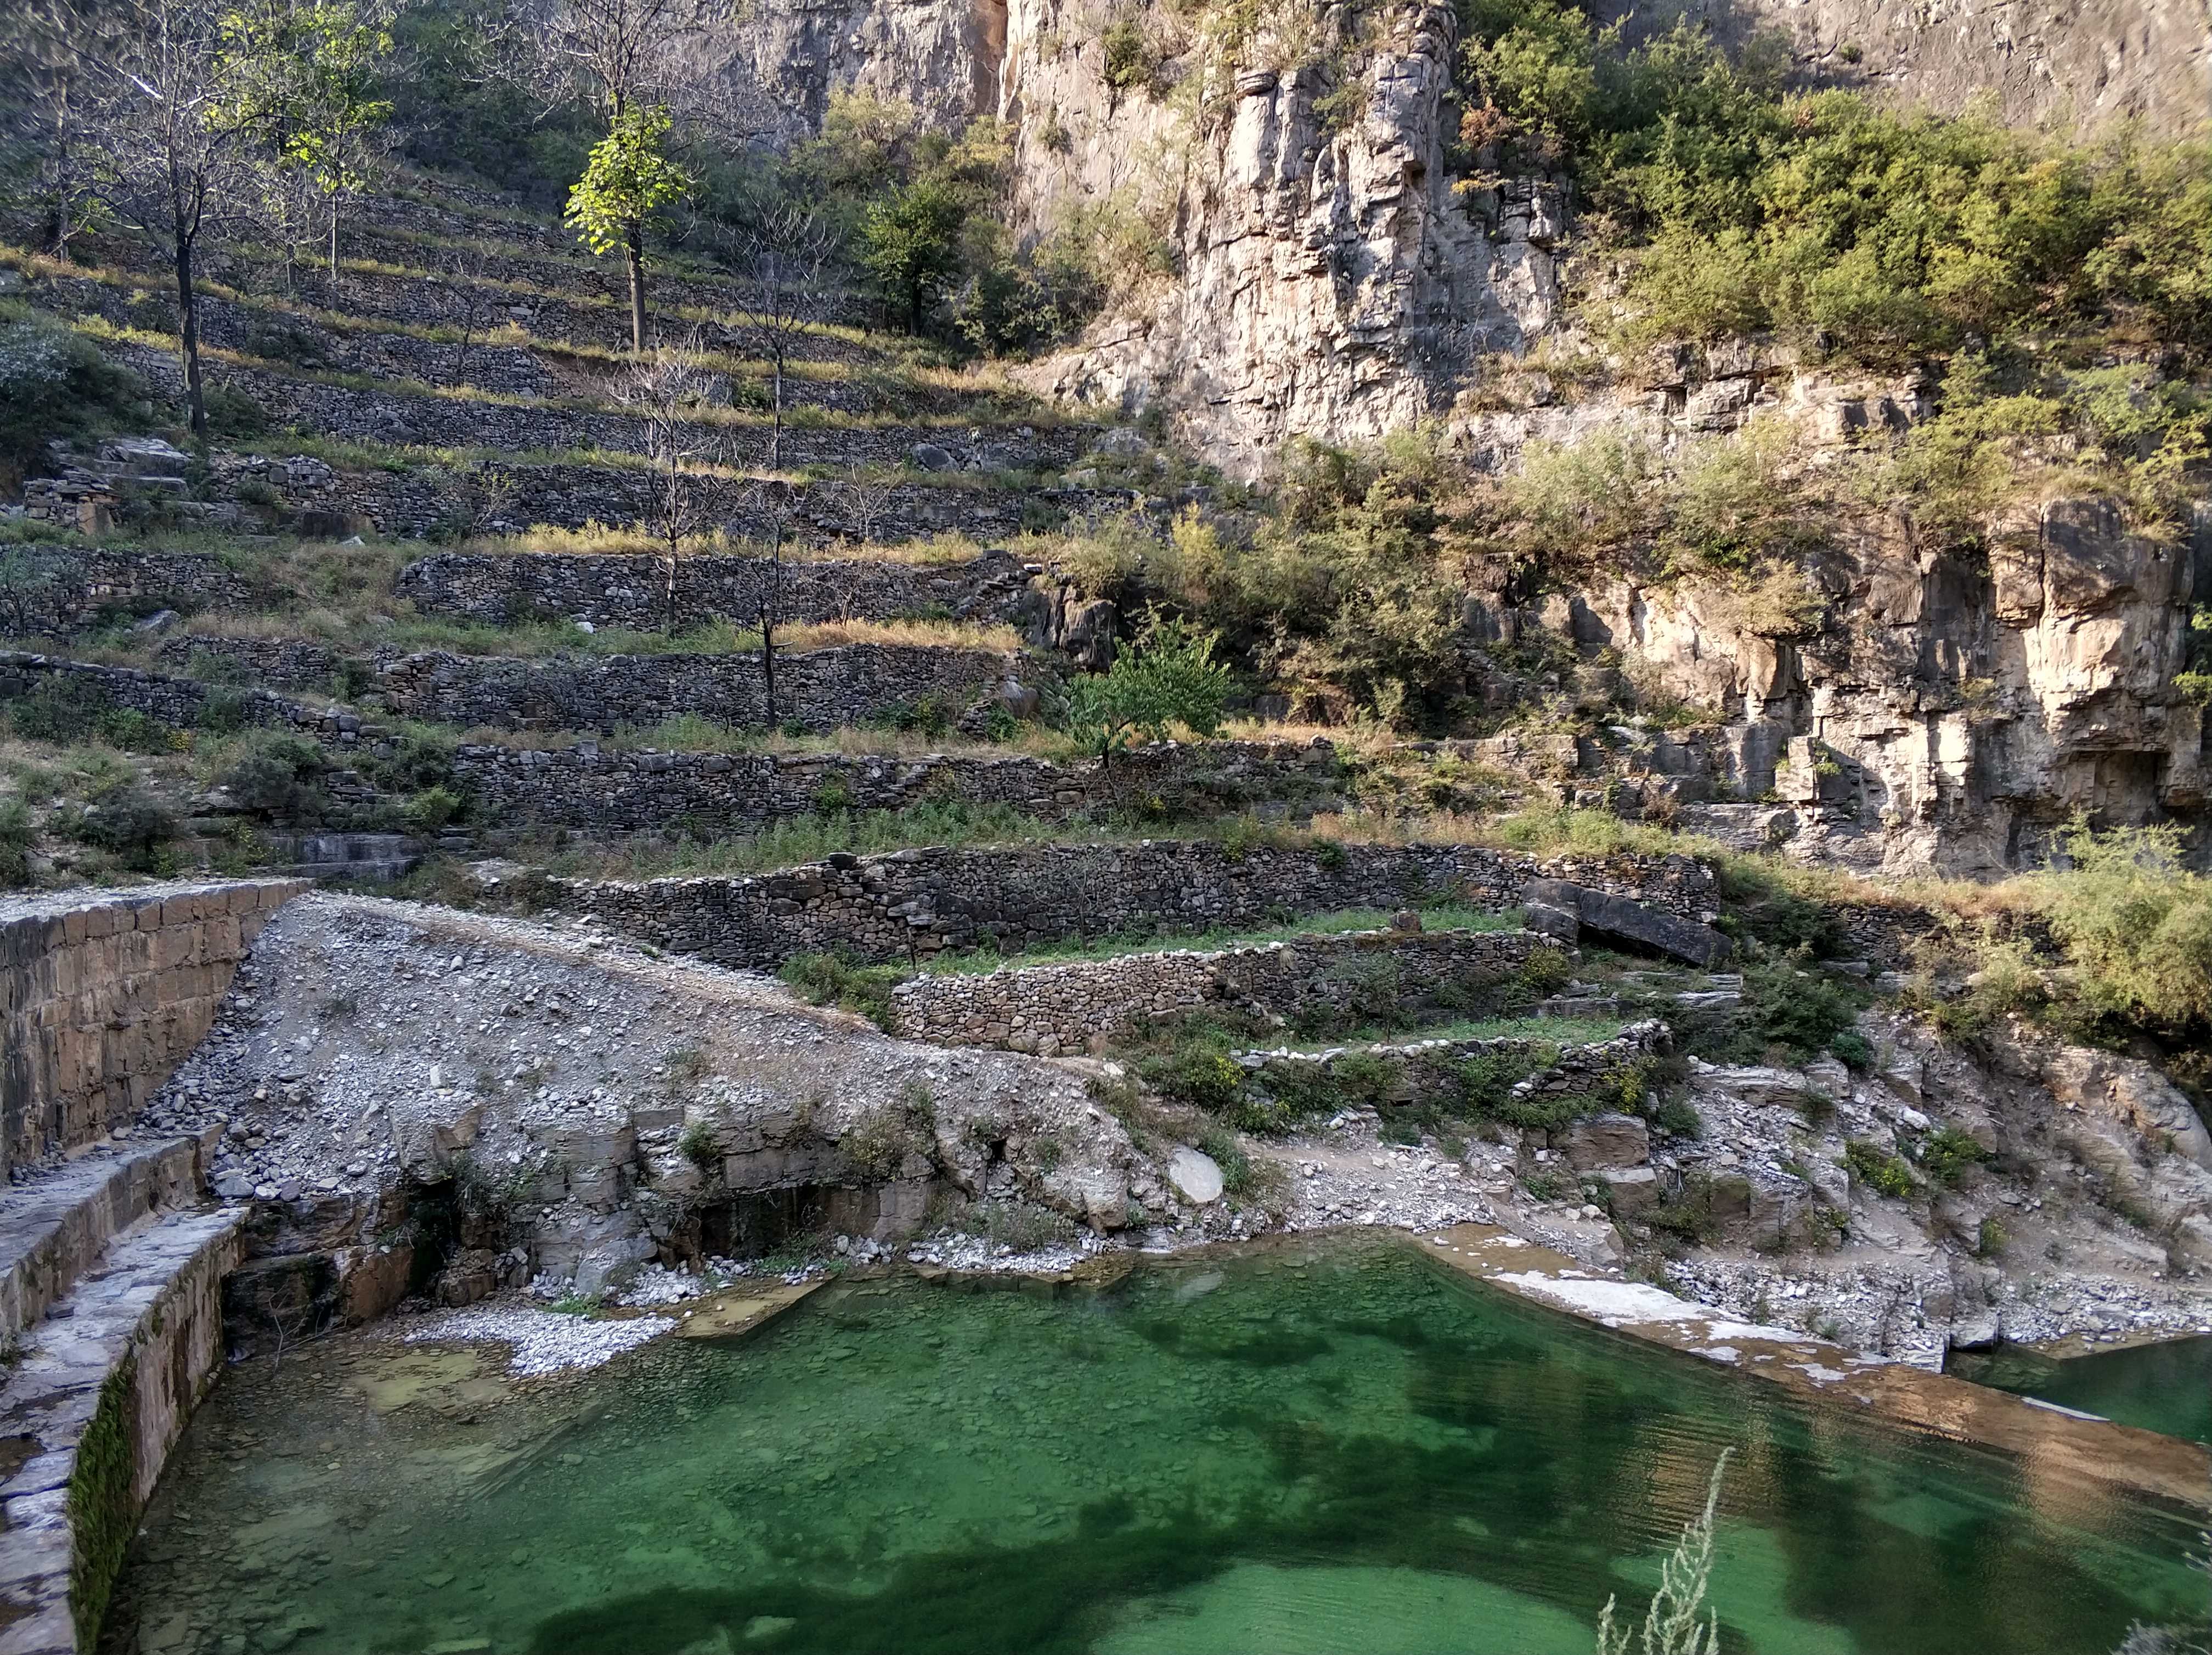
(2078,64)
(1330,283)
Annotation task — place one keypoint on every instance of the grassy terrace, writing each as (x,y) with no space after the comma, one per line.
(1555,1031)
(1441,917)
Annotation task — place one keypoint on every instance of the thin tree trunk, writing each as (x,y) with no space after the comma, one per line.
(768,613)
(636,251)
(775,427)
(189,337)
(334,240)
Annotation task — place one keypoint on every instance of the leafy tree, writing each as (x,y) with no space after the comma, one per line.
(910,243)
(1168,677)
(2135,924)
(309,79)
(627,181)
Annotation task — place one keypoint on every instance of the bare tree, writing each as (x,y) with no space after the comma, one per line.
(662,391)
(465,274)
(774,500)
(783,260)
(166,156)
(615,49)
(868,497)
(42,85)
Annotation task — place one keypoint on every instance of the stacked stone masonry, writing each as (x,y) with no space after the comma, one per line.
(1053,1009)
(817,689)
(53,591)
(102,994)
(54,1227)
(141,1344)
(1577,1069)
(614,590)
(909,903)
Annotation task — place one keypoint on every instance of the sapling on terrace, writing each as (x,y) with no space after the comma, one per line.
(1168,677)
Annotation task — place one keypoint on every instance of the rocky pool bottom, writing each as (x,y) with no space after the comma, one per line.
(1335,1445)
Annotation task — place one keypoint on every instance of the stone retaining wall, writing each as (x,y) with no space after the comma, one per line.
(1578,1068)
(597,790)
(425,418)
(101,992)
(909,903)
(632,590)
(1078,1006)
(100,1399)
(57,591)
(819,689)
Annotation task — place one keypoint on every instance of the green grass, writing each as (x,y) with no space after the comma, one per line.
(1448,917)
(1558,1030)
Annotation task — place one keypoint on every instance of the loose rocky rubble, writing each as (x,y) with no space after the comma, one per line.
(543,1341)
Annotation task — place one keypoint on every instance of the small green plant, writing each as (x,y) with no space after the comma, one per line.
(1853,1049)
(575,1304)
(833,979)
(1549,1186)
(1947,1152)
(1677,1622)
(1128,60)
(1991,1239)
(701,1144)
(1884,1173)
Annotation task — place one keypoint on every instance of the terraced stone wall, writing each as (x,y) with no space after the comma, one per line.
(632,591)
(599,790)
(817,689)
(909,903)
(1078,1006)
(102,994)
(53,591)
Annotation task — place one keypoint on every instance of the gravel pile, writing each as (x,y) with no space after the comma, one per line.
(542,1341)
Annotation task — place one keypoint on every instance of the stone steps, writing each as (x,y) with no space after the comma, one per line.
(127,1353)
(53,1228)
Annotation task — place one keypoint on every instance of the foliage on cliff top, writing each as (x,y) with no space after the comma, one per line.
(1879,234)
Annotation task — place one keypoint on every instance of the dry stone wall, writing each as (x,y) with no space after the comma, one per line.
(52,591)
(1076,1007)
(632,590)
(101,994)
(1425,1063)
(909,903)
(819,689)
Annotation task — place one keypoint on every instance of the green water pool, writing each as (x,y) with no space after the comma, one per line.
(2164,1387)
(1338,1447)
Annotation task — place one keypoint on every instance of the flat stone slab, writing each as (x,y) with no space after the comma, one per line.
(53,1228)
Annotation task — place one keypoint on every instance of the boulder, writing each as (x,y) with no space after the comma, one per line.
(1631,1190)
(1618,920)
(1406,919)
(1193,1175)
(928,457)
(1604,1140)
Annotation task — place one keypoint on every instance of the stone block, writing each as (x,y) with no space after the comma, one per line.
(1604,1140)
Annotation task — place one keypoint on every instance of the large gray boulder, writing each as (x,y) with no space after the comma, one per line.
(1618,920)
(1603,1140)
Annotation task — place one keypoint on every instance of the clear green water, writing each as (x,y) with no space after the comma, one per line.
(2164,1387)
(1339,1449)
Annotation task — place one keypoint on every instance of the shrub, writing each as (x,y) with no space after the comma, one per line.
(830,979)
(54,383)
(702,1146)
(124,820)
(2136,925)
(1128,59)
(1797,1010)
(1885,1173)
(434,808)
(16,837)
(1854,1049)
(1947,1153)
(280,777)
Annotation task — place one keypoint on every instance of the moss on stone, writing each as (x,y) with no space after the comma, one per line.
(101,1506)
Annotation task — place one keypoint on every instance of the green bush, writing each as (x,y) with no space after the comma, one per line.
(16,837)
(1825,214)
(2136,926)
(1947,1153)
(1885,1173)
(1128,59)
(1854,1049)
(1797,1010)
(280,777)
(832,979)
(123,819)
(434,808)
(54,383)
